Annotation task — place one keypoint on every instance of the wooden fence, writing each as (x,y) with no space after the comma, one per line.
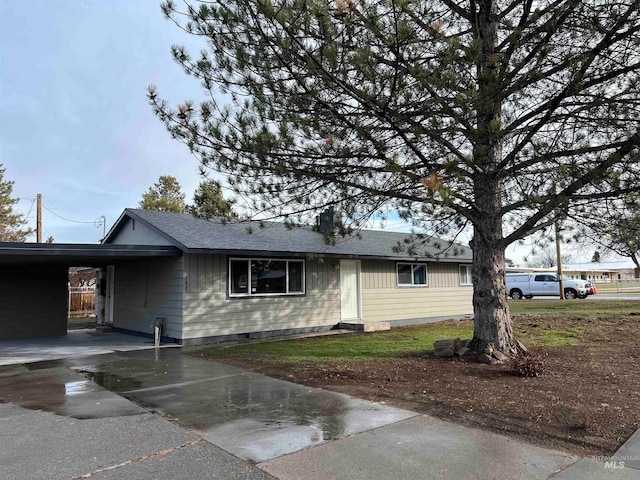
(82,301)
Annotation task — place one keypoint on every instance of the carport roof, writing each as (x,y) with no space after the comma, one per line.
(78,255)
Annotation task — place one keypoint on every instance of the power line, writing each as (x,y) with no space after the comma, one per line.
(65,219)
(33,201)
(47,232)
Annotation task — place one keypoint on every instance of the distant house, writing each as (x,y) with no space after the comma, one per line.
(602,272)
(238,280)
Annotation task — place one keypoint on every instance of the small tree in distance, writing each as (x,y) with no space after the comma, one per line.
(209,203)
(165,196)
(12,225)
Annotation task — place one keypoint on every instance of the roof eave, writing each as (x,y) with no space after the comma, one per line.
(287,253)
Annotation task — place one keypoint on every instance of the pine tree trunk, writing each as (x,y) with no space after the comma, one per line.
(492,320)
(491,310)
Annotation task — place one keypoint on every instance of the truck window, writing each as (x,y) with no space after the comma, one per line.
(545,278)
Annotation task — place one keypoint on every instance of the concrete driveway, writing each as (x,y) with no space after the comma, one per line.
(159,413)
(76,343)
(256,418)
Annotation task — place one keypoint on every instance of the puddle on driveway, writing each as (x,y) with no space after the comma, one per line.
(59,390)
(252,416)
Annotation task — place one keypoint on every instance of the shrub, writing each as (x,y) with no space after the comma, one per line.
(532,363)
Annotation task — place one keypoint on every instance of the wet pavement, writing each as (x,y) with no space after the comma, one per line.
(161,413)
(37,445)
(249,415)
(254,417)
(76,343)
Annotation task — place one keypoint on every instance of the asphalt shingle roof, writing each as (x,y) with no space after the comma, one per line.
(196,235)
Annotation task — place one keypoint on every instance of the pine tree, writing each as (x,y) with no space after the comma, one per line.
(503,115)
(208,202)
(165,195)
(12,225)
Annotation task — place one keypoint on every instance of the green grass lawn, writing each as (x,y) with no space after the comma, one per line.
(418,340)
(584,317)
(398,342)
(583,308)
(548,336)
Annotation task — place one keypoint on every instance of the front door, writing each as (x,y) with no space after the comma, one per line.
(350,290)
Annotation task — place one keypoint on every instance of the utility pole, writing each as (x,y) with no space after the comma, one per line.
(39,218)
(559,257)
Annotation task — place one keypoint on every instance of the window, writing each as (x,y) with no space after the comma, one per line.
(412,274)
(545,278)
(465,275)
(259,277)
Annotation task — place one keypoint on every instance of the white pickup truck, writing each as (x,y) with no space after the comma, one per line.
(528,285)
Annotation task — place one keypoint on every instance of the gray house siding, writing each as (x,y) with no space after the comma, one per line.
(209,313)
(190,294)
(33,302)
(135,233)
(383,300)
(146,290)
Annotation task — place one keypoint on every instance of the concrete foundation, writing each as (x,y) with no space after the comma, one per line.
(366,326)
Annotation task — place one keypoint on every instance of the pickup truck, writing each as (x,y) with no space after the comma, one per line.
(529,285)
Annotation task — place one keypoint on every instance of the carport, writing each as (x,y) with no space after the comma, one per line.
(34,280)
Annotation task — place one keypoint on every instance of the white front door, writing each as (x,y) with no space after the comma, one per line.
(350,290)
(109,294)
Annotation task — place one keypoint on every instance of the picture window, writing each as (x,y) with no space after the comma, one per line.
(265,276)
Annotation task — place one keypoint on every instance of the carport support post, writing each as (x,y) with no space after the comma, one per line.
(158,331)
(99,298)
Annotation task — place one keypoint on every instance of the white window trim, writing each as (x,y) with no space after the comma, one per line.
(249,294)
(465,266)
(412,285)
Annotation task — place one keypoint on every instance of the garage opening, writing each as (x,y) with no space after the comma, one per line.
(35,285)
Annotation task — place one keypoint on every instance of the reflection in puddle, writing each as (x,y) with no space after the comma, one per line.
(78,388)
(111,381)
(250,415)
(225,402)
(61,391)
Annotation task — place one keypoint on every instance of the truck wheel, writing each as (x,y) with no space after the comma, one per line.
(570,294)
(516,294)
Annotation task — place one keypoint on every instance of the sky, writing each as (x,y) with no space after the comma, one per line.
(75,124)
